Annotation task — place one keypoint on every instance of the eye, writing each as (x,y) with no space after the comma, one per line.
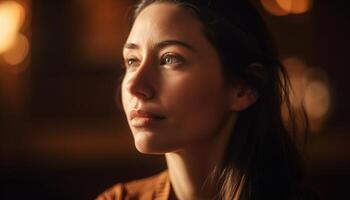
(131,62)
(171,59)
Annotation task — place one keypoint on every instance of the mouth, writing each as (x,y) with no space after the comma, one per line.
(142,118)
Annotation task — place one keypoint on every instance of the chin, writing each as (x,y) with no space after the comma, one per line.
(148,150)
(151,146)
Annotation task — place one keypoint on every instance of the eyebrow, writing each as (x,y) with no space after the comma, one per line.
(162,45)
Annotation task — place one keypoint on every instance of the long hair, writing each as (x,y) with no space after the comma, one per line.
(261,160)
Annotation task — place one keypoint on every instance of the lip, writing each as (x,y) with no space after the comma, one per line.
(144,114)
(142,118)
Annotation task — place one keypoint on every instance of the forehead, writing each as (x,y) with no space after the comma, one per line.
(160,21)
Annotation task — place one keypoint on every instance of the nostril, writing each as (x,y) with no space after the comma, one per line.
(140,83)
(142,95)
(141,91)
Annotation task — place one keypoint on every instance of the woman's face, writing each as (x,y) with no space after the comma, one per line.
(173,91)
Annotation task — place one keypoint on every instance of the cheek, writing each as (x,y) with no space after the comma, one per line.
(196,103)
(125,97)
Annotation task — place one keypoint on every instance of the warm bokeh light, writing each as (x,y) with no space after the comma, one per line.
(285,7)
(12,15)
(18,52)
(301,6)
(310,88)
(273,8)
(296,69)
(316,99)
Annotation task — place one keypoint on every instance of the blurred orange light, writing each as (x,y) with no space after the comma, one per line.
(296,68)
(285,4)
(300,6)
(317,99)
(18,52)
(273,8)
(310,90)
(285,7)
(12,15)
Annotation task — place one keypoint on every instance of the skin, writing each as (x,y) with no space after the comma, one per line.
(183,82)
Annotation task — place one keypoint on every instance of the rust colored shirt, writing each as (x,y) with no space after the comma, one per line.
(156,187)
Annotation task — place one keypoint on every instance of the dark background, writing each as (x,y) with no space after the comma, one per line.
(63,137)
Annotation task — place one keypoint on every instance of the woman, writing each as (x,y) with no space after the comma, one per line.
(203,87)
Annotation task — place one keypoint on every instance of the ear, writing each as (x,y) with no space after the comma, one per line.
(242,97)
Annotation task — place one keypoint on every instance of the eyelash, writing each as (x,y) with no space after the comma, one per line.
(127,64)
(178,59)
(175,61)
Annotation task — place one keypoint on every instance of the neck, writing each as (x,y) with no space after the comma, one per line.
(190,167)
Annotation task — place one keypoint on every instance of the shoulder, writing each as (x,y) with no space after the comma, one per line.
(145,188)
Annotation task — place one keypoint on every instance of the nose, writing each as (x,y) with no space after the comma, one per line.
(140,83)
